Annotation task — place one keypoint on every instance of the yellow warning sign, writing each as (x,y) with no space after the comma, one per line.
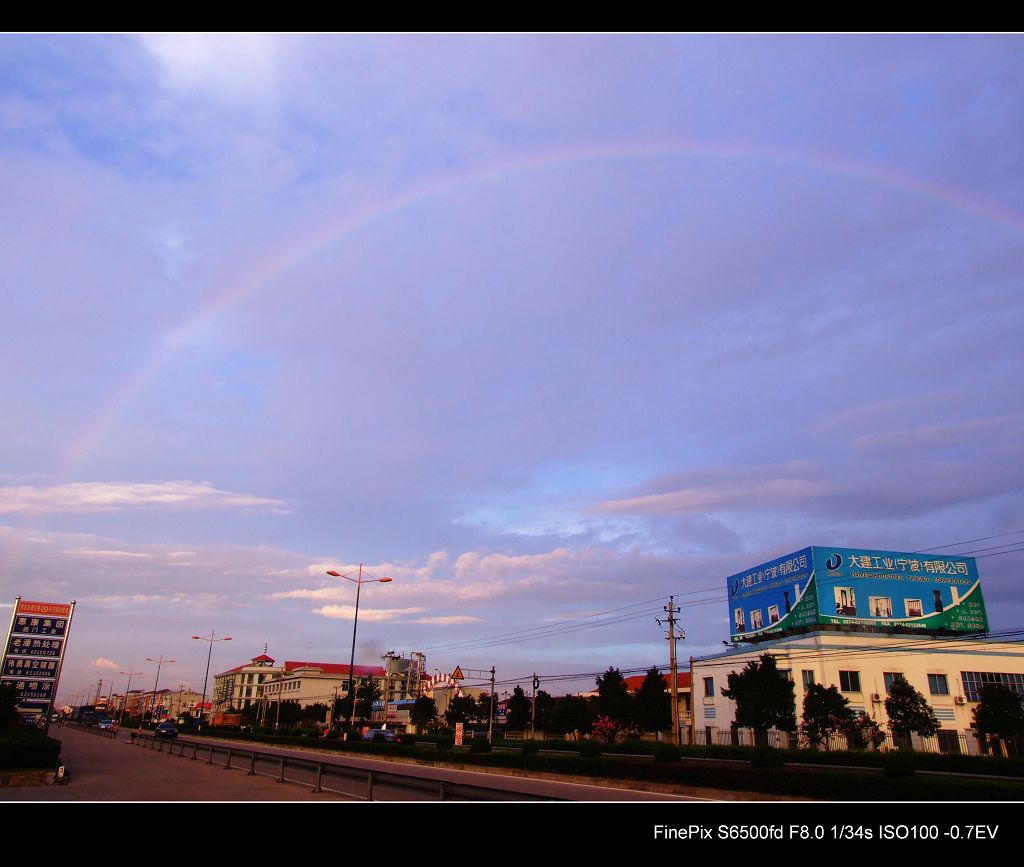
(457,674)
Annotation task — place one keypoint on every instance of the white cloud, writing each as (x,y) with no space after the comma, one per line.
(378,615)
(234,66)
(85,552)
(115,496)
(101,662)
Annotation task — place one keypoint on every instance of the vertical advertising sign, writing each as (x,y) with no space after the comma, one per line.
(34,653)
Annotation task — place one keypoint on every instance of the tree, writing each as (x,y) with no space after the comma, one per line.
(862,731)
(424,711)
(908,711)
(482,712)
(316,713)
(369,692)
(605,728)
(518,709)
(545,707)
(460,710)
(613,698)
(826,712)
(652,705)
(764,697)
(570,714)
(1000,713)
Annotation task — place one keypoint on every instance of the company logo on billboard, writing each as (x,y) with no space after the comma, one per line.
(735,586)
(833,562)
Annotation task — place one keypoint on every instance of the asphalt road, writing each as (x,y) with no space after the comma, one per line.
(104,769)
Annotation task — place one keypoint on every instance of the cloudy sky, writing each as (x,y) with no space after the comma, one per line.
(544,328)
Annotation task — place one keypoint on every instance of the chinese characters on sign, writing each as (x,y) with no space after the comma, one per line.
(35,651)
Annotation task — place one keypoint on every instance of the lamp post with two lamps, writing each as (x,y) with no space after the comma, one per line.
(206,677)
(359,581)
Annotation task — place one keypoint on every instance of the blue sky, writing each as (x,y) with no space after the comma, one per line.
(539,326)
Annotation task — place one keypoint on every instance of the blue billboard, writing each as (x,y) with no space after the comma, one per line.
(859,589)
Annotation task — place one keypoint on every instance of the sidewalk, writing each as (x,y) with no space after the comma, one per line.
(103,769)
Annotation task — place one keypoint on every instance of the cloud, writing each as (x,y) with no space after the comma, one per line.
(378,615)
(84,552)
(444,620)
(236,66)
(100,662)
(81,497)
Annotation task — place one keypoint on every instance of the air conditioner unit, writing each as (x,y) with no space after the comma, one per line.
(875,696)
(960,700)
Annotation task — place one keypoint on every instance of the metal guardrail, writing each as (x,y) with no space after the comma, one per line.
(322,772)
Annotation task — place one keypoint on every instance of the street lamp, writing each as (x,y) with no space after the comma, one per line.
(206,677)
(127,689)
(359,581)
(159,663)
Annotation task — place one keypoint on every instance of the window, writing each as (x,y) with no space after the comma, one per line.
(756,619)
(709,686)
(974,680)
(849,681)
(914,607)
(890,678)
(808,678)
(773,613)
(937,684)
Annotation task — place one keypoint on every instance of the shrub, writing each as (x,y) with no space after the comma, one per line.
(445,742)
(530,748)
(379,739)
(667,753)
(479,745)
(899,765)
(766,757)
(332,735)
(590,749)
(407,740)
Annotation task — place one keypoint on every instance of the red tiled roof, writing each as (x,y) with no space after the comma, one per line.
(682,680)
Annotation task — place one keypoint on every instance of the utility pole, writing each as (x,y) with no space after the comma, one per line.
(490,717)
(533,709)
(673,683)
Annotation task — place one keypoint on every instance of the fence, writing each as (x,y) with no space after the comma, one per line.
(947,741)
(320,774)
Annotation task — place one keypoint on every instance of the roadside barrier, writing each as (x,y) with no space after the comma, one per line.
(319,775)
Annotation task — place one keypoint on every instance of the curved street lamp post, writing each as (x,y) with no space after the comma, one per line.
(206,677)
(359,581)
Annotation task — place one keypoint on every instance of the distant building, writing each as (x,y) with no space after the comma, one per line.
(237,687)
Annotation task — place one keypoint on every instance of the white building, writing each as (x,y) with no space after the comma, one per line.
(947,671)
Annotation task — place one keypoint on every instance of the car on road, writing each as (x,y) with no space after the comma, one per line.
(105,724)
(386,734)
(167,730)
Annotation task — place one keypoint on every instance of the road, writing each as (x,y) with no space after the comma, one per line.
(105,769)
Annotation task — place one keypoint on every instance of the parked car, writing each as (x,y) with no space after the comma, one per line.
(167,730)
(387,734)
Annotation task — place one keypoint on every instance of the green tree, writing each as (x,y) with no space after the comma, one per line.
(826,712)
(461,708)
(908,711)
(613,698)
(652,705)
(315,713)
(764,697)
(545,709)
(571,713)
(1000,713)
(518,709)
(369,692)
(482,711)
(424,711)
